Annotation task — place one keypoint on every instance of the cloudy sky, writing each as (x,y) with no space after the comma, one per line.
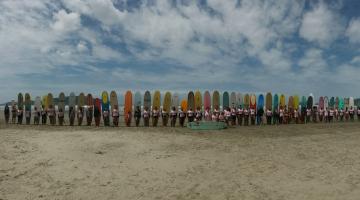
(295,47)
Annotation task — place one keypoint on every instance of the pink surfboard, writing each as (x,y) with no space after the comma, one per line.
(321,102)
(207,100)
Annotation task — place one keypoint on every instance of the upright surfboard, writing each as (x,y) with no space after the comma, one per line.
(81,100)
(321,102)
(61,103)
(37,103)
(137,100)
(225,100)
(309,102)
(341,104)
(337,102)
(326,102)
(282,101)
(276,102)
(105,103)
(89,100)
(44,103)
(191,101)
(233,99)
(207,100)
(50,100)
(332,102)
(20,101)
(198,100)
(303,103)
(291,103)
(269,101)
(167,102)
(175,101)
(346,101)
(247,101)
(184,105)
(157,100)
(72,100)
(27,102)
(114,100)
(239,99)
(351,102)
(147,100)
(260,102)
(128,105)
(216,100)
(296,102)
(253,101)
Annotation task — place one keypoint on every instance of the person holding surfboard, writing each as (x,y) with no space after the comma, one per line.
(182,117)
(173,116)
(27,116)
(165,117)
(128,118)
(190,115)
(198,114)
(97,115)
(106,117)
(259,116)
(233,116)
(246,117)
(268,116)
(80,116)
(146,116)
(13,113)
(20,116)
(71,115)
(61,116)
(347,114)
(37,115)
(89,114)
(7,113)
(252,116)
(240,115)
(296,116)
(351,113)
(155,116)
(321,114)
(137,116)
(115,115)
(308,115)
(207,114)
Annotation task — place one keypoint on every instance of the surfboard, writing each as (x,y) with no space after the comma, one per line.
(296,102)
(303,103)
(198,100)
(346,102)
(247,101)
(184,105)
(207,100)
(175,101)
(337,102)
(137,100)
(61,103)
(239,99)
(291,103)
(157,100)
(20,101)
(225,100)
(114,100)
(128,105)
(309,102)
(321,102)
(269,101)
(50,100)
(351,102)
(332,102)
(260,102)
(37,103)
(105,104)
(89,100)
(27,102)
(233,99)
(191,101)
(216,100)
(282,101)
(341,103)
(72,100)
(167,102)
(253,101)
(357,102)
(326,102)
(147,100)
(81,100)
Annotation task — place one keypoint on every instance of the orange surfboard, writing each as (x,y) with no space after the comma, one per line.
(184,105)
(128,105)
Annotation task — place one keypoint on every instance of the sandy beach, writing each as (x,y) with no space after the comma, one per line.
(315,161)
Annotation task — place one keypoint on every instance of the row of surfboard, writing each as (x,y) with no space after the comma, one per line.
(193,101)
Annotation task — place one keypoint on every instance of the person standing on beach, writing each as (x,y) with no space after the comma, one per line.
(173,116)
(97,116)
(137,116)
(61,117)
(7,113)
(182,117)
(155,116)
(13,114)
(240,115)
(37,115)
(146,116)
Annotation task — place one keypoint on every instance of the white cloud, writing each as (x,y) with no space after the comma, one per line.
(66,22)
(353,31)
(313,61)
(321,25)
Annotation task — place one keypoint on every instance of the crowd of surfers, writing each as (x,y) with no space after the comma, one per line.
(242,116)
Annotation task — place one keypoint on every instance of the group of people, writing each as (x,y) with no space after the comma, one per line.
(229,115)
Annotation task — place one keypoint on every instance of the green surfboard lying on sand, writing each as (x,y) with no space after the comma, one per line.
(206,125)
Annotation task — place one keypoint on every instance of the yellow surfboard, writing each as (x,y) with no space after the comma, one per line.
(198,100)
(282,101)
(157,100)
(167,102)
(296,102)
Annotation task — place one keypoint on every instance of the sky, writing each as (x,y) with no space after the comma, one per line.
(282,46)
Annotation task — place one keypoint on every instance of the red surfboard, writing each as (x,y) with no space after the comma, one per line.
(97,107)
(128,108)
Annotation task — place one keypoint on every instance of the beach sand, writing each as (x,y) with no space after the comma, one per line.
(315,161)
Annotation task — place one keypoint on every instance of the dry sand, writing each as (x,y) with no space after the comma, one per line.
(316,161)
